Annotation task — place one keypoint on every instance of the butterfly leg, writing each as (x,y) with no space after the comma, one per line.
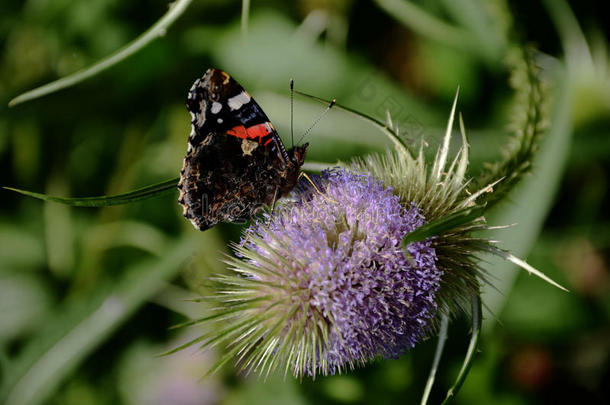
(303,174)
(275,195)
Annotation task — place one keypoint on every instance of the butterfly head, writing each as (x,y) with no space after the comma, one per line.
(290,175)
(297,155)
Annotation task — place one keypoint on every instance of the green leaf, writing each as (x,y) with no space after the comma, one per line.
(144,193)
(443,224)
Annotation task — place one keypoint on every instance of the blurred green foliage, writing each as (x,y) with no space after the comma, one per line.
(87,295)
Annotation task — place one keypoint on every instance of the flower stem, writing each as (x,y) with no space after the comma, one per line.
(442,338)
(159,29)
(472,347)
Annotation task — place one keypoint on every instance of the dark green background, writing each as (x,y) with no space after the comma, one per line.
(84,310)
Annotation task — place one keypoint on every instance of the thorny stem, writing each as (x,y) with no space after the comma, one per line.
(529,133)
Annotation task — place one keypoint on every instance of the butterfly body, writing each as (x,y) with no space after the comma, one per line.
(236,162)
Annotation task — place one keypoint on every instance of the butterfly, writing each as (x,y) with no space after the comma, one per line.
(236,162)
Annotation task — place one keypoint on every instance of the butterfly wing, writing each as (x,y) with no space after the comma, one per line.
(235,162)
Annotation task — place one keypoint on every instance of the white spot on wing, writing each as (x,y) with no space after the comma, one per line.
(237,101)
(200,116)
(219,120)
(216,107)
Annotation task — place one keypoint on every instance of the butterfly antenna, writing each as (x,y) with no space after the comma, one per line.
(332,103)
(292,111)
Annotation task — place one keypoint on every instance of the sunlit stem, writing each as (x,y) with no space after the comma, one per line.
(159,29)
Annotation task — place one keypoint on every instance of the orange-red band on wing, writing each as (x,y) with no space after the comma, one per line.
(238,131)
(255,131)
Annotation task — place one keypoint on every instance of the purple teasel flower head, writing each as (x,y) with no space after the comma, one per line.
(347,270)
(324,283)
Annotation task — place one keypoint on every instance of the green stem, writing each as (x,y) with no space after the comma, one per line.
(442,338)
(176,9)
(472,348)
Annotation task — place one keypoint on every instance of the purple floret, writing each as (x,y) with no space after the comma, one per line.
(343,242)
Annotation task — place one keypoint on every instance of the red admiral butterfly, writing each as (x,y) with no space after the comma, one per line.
(235,162)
